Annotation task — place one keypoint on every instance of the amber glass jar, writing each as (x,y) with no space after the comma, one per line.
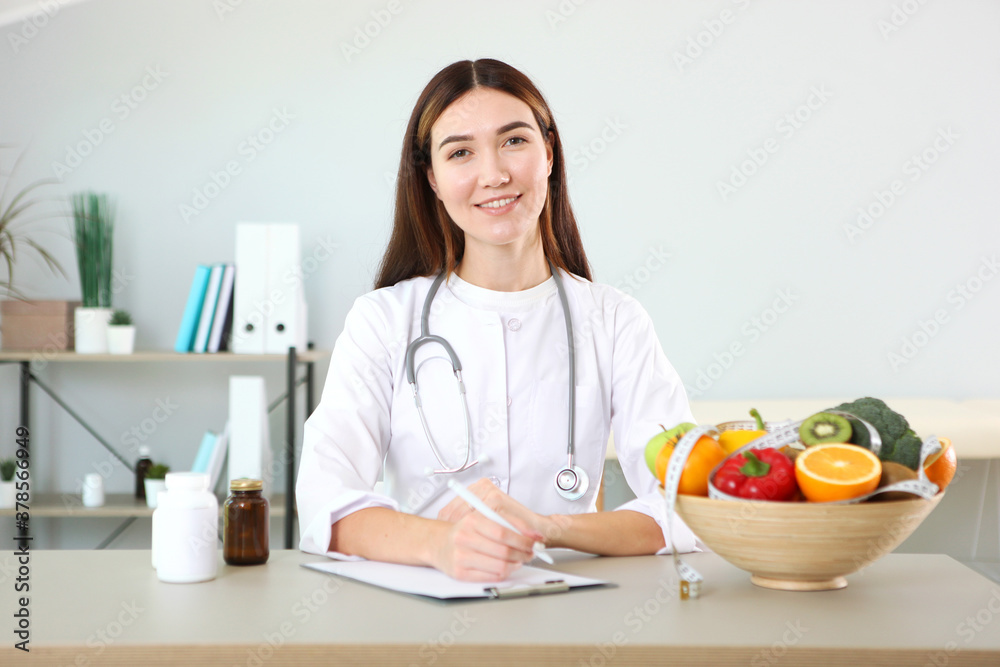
(246,520)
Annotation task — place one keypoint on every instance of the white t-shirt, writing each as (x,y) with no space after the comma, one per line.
(515,364)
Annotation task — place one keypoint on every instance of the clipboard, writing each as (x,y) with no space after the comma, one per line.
(432,583)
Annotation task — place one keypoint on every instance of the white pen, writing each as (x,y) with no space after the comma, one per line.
(484,509)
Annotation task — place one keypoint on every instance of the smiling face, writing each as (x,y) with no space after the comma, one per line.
(490,166)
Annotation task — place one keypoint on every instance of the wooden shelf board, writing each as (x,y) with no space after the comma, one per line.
(157,356)
(69,505)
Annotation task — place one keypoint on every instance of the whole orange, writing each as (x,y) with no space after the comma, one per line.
(940,467)
(707,454)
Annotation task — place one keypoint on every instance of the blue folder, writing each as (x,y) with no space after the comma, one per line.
(204,455)
(192,311)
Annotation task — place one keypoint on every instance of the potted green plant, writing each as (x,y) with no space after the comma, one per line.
(28,325)
(155,482)
(7,488)
(93,226)
(18,210)
(121,333)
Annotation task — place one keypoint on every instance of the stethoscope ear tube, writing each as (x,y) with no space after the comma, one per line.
(456,367)
(572,472)
(425,337)
(411,351)
(572,482)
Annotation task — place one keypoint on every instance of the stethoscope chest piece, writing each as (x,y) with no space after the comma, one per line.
(572,483)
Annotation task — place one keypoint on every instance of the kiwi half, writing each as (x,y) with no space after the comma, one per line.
(824,427)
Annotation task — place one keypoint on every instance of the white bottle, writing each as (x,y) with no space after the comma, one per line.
(186,530)
(93,490)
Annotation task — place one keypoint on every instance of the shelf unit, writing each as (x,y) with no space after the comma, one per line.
(124,505)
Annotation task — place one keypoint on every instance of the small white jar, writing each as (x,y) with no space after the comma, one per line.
(93,490)
(186,530)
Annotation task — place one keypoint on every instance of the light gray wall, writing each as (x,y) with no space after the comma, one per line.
(658,103)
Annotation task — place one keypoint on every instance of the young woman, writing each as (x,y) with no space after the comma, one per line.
(485,255)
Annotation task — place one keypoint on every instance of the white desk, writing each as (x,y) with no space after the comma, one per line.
(903,610)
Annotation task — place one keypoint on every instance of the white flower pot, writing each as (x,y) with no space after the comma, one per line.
(153,487)
(7,494)
(121,339)
(91,330)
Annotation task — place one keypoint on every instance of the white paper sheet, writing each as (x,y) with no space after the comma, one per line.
(434,583)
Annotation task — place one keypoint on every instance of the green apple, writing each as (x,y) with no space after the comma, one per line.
(657,442)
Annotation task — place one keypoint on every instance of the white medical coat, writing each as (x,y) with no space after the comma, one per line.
(514,354)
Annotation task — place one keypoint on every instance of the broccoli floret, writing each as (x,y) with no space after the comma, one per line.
(899,442)
(907,450)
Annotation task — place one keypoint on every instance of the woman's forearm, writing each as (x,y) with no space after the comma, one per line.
(379,533)
(619,533)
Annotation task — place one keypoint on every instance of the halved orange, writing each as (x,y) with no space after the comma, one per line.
(836,471)
(940,467)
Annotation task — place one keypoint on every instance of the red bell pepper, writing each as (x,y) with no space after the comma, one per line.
(759,474)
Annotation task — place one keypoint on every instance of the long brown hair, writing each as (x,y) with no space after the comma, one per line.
(424,238)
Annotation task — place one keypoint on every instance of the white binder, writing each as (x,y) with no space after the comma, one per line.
(250,296)
(284,269)
(269,313)
(249,437)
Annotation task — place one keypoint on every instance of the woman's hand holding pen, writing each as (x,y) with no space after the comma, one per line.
(538,527)
(476,548)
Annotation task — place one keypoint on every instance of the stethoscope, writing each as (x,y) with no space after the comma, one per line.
(572,481)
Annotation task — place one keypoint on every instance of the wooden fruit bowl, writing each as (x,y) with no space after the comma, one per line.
(801,546)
